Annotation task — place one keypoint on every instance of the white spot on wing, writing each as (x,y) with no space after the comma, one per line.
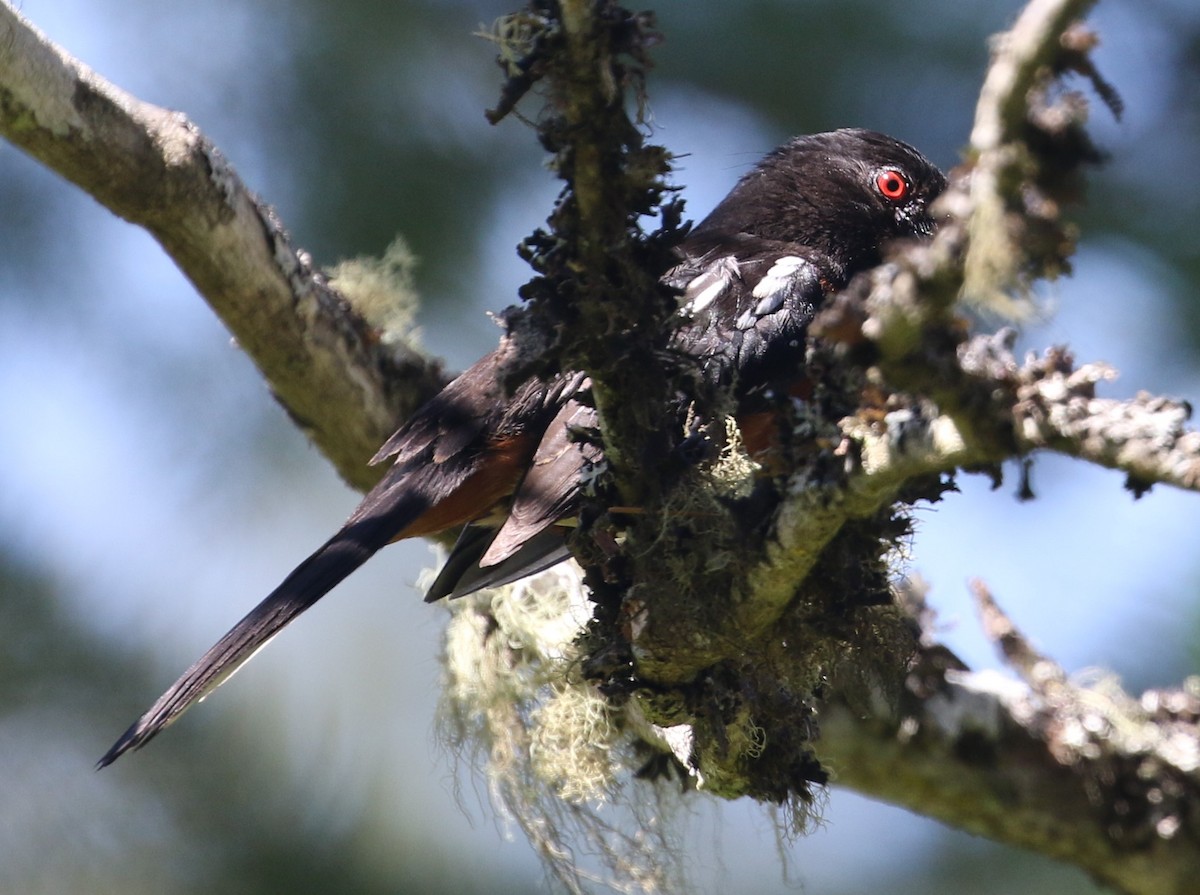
(781,277)
(709,284)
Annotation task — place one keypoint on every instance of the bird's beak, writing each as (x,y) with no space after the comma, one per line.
(917,220)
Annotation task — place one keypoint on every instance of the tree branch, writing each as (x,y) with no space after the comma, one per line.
(1078,771)
(1021,60)
(597,304)
(341,380)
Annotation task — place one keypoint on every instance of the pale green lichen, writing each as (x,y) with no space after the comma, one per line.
(559,758)
(381,290)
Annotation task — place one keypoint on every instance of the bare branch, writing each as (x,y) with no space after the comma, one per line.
(342,381)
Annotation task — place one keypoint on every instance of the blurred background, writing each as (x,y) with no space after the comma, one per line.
(151,491)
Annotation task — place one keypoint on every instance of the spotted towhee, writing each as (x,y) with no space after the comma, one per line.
(810,215)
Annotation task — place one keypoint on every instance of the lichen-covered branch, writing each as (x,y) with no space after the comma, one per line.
(1031,44)
(1012,237)
(339,378)
(1074,769)
(596,303)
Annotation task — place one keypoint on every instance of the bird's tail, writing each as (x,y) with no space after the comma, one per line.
(311,580)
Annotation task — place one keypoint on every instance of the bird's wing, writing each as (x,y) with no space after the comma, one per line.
(528,540)
(747,303)
(462,574)
(550,490)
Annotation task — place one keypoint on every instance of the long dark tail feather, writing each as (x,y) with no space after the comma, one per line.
(308,582)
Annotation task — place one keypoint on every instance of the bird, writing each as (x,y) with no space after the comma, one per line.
(505,468)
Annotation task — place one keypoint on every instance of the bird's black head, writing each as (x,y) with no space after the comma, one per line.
(844,193)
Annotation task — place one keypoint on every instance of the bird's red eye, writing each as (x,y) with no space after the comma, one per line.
(891,184)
